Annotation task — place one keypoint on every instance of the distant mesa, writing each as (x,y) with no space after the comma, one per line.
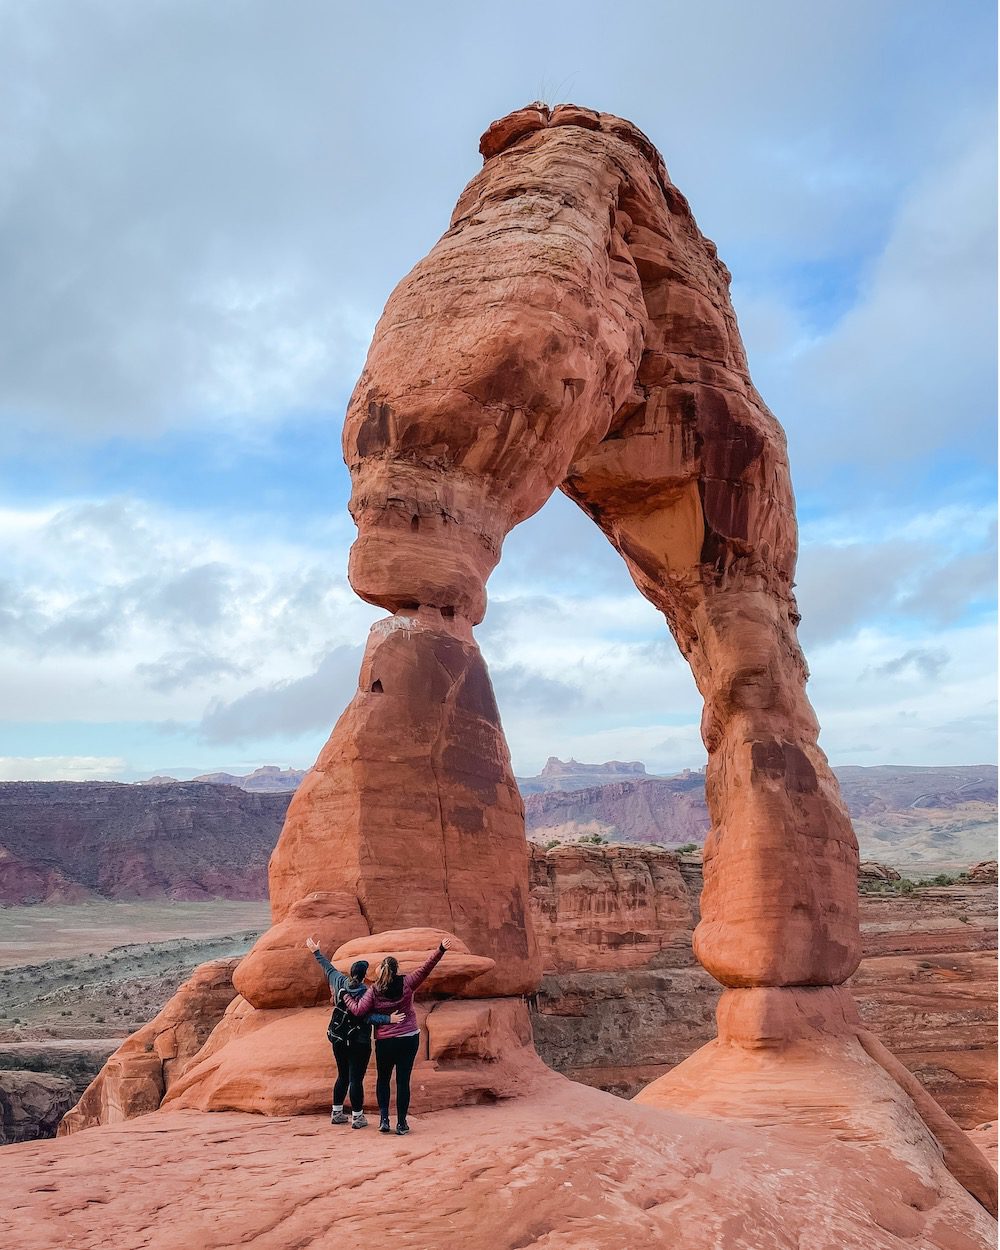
(211,837)
(572,775)
(269,779)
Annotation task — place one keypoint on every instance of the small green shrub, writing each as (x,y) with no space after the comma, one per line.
(687,848)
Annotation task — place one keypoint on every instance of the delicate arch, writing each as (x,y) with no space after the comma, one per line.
(572,330)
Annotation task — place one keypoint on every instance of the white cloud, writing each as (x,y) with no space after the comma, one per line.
(908,370)
(60,768)
(199,221)
(122,611)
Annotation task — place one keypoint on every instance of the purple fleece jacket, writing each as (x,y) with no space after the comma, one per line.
(375,1000)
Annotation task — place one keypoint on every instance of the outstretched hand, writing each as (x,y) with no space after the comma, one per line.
(312,944)
(447,944)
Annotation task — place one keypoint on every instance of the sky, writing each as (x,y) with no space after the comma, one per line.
(203,209)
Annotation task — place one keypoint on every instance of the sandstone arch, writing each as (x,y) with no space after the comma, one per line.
(571,330)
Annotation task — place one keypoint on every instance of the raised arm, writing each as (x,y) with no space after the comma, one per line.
(335,978)
(419,975)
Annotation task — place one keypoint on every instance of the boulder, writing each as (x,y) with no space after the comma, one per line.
(455,973)
(280,971)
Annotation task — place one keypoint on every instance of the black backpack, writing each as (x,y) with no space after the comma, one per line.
(347,1029)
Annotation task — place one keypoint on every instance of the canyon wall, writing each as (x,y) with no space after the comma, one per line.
(623,1000)
(64,842)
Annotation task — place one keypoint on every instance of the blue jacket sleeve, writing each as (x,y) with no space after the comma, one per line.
(377,1018)
(336,979)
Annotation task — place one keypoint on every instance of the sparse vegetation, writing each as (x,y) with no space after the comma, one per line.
(687,848)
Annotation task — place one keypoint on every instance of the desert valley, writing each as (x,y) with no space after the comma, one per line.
(113,894)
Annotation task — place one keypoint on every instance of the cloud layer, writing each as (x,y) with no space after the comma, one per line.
(202,213)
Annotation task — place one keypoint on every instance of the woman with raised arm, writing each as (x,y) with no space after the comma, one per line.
(350,1037)
(396,1045)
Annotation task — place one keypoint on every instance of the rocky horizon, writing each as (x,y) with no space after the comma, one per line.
(65,841)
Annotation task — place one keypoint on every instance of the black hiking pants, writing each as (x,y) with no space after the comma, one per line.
(395,1053)
(352,1063)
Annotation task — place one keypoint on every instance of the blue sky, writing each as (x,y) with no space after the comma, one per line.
(203,211)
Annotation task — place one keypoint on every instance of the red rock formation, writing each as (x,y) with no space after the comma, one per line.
(412,807)
(278,1061)
(615,908)
(572,329)
(620,1003)
(136,1077)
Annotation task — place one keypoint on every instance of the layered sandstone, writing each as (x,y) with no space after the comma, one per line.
(622,1000)
(63,842)
(610,908)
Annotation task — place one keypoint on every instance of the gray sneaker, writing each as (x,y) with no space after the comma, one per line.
(338,1117)
(359,1121)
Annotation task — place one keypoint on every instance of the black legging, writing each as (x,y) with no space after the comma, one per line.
(352,1063)
(398,1053)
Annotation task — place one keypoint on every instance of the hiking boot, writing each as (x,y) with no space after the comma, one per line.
(402,1128)
(384,1126)
(359,1121)
(338,1117)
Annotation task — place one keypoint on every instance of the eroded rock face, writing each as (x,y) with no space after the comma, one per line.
(32,1104)
(611,908)
(412,808)
(65,841)
(926,987)
(278,1062)
(141,1071)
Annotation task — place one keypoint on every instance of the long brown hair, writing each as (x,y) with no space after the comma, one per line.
(387,972)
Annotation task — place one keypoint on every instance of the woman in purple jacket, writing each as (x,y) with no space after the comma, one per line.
(396,1045)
